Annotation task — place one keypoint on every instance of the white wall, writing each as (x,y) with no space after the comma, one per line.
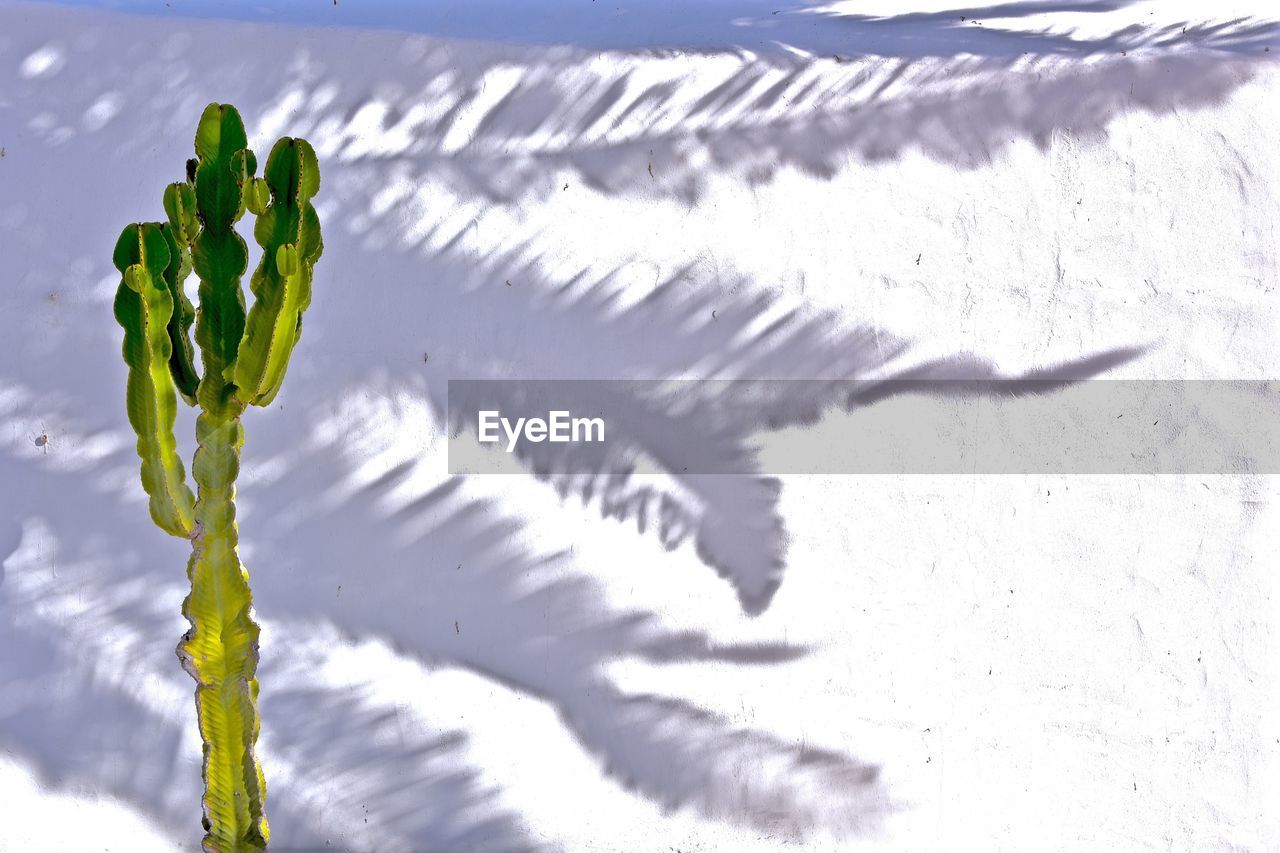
(1030,662)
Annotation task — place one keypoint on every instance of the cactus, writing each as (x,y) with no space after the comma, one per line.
(144,307)
(243,358)
(288,230)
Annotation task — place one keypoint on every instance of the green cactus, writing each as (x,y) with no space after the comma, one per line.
(288,230)
(243,359)
(144,307)
(180,205)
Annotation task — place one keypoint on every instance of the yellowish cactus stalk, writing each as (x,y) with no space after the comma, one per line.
(243,359)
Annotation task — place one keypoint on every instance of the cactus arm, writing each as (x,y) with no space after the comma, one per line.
(218,254)
(220,651)
(143,306)
(182,364)
(180,232)
(288,230)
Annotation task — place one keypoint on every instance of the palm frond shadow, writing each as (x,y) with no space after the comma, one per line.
(799,26)
(651,124)
(539,624)
(93,697)
(534,622)
(503,121)
(90,612)
(970,30)
(684,327)
(705,430)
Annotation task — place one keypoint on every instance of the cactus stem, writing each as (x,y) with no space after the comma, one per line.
(220,651)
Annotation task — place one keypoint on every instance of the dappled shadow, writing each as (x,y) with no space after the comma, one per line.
(539,624)
(977,30)
(505,121)
(349,533)
(92,602)
(92,694)
(986,29)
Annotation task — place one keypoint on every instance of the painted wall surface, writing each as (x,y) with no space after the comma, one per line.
(483,663)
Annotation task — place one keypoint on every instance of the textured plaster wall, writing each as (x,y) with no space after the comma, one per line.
(1029,662)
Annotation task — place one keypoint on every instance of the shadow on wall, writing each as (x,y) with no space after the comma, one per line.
(91,590)
(988,30)
(91,601)
(657,125)
(499,121)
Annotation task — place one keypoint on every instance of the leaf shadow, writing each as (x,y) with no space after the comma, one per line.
(87,605)
(489,127)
